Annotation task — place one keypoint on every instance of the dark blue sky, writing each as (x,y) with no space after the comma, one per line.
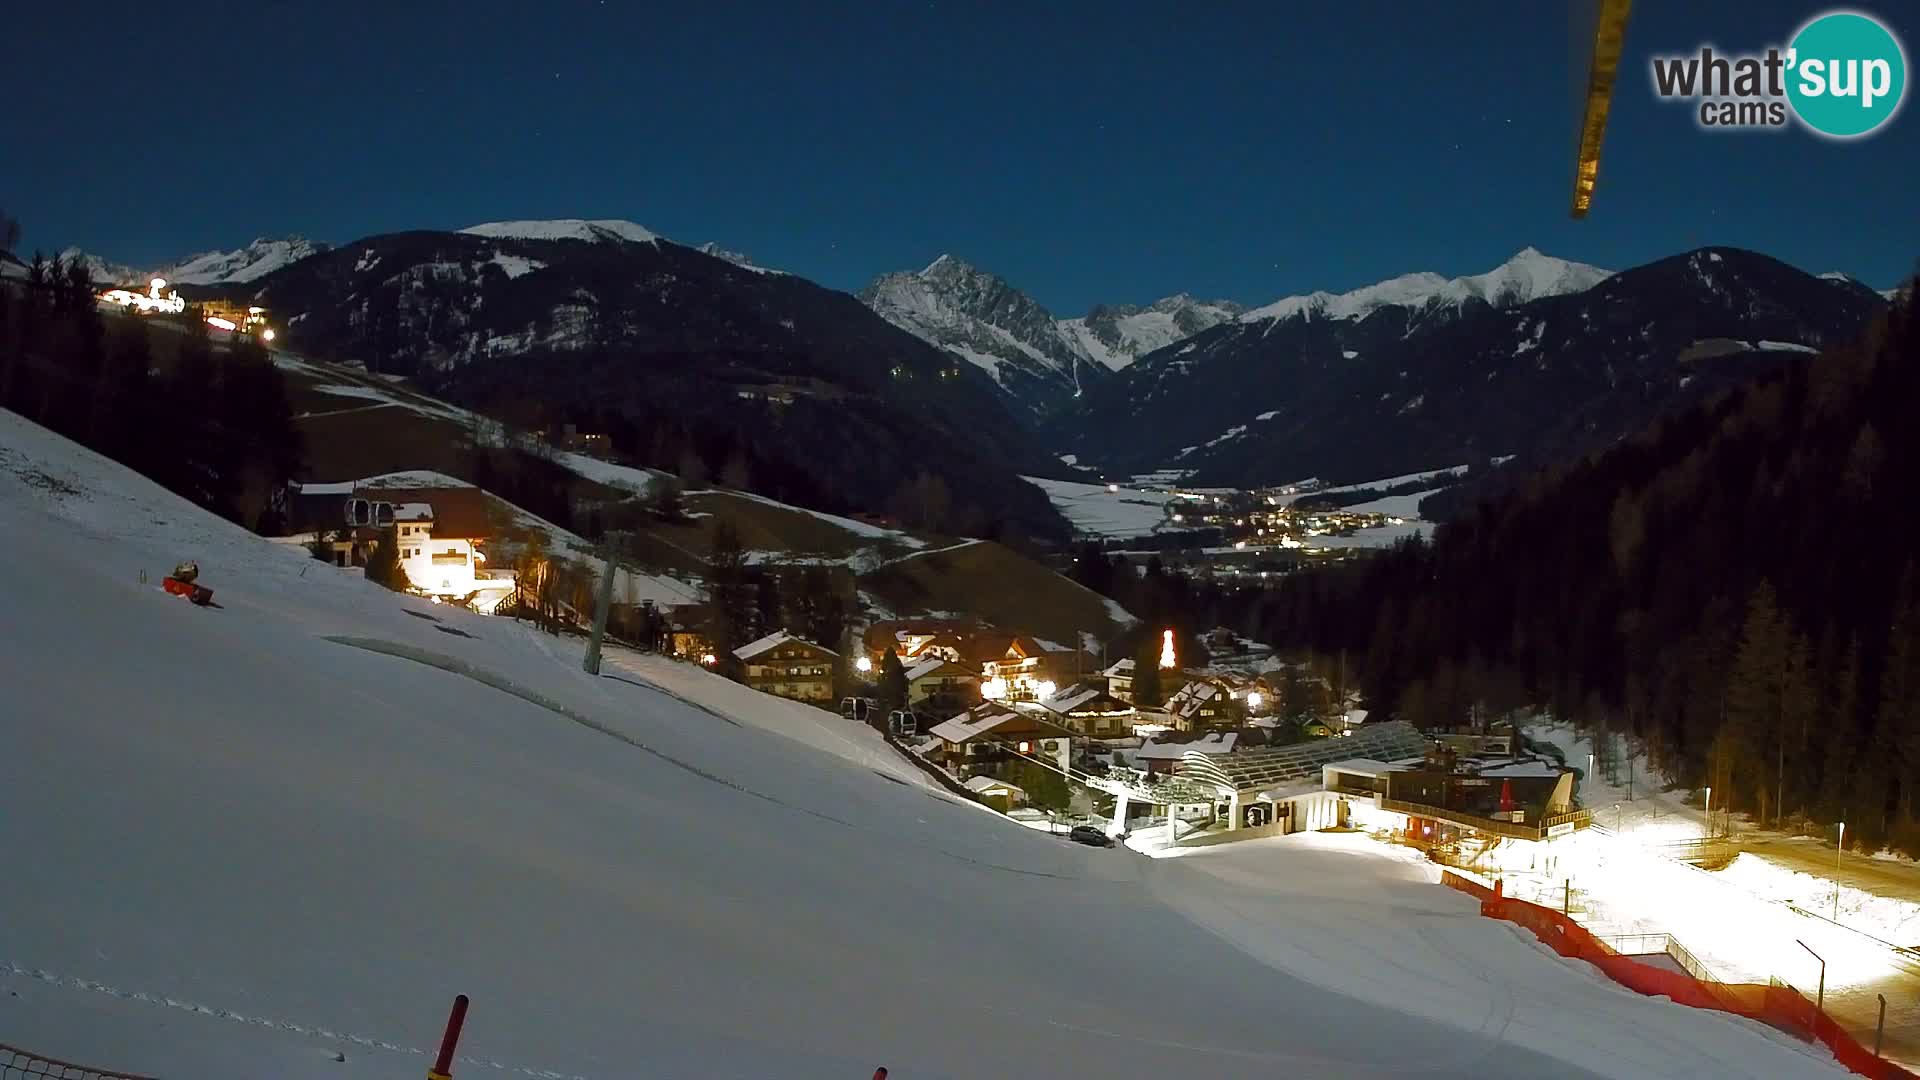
(1087,152)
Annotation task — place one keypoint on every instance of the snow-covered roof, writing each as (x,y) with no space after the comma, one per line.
(932,665)
(773,640)
(1074,697)
(981,785)
(1189,698)
(1218,742)
(344,488)
(1363,766)
(969,725)
(413,511)
(1121,669)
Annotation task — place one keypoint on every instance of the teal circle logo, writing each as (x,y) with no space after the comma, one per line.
(1847,74)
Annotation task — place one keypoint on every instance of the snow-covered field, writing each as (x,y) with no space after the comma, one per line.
(241,849)
(1096,511)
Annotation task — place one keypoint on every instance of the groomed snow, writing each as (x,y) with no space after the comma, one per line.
(253,848)
(1095,511)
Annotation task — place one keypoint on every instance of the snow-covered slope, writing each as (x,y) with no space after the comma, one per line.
(603,230)
(249,848)
(1529,275)
(1116,335)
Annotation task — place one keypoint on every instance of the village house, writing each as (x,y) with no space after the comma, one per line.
(1199,705)
(997,793)
(1120,679)
(914,640)
(440,533)
(1088,709)
(1030,670)
(992,732)
(940,687)
(789,667)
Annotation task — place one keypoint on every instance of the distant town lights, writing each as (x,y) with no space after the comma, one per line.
(220,323)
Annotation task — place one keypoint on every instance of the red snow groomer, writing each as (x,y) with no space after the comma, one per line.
(182,583)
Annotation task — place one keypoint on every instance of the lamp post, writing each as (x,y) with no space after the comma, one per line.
(1709,810)
(1839,845)
(1821,1003)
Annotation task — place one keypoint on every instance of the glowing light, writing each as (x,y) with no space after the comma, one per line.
(1176,519)
(709,659)
(266,335)
(1113,487)
(217,321)
(1046,689)
(863,665)
(1254,699)
(994,689)
(1239,544)
(1166,648)
(1026,747)
(157,284)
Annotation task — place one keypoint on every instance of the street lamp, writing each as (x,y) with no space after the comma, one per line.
(1253,699)
(1838,846)
(863,665)
(1709,810)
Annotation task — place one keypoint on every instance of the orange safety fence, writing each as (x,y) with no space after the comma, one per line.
(18,1064)
(1774,1004)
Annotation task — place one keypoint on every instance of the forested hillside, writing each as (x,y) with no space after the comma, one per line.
(1739,585)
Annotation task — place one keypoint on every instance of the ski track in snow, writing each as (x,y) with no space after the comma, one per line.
(73,982)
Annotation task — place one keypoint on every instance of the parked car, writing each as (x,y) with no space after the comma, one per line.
(1087,834)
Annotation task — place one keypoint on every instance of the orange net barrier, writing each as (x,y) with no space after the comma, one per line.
(18,1064)
(1774,1004)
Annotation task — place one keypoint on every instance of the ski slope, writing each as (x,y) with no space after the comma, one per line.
(240,849)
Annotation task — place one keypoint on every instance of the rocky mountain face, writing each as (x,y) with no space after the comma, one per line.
(1118,334)
(978,317)
(808,392)
(1539,358)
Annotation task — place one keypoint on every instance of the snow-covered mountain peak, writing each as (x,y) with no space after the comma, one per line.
(1528,275)
(594,231)
(982,319)
(261,257)
(258,259)
(739,259)
(1117,334)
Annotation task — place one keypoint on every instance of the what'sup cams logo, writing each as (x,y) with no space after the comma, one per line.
(1842,76)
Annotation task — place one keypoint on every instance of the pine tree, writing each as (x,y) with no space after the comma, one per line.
(1147,692)
(383,566)
(1900,691)
(893,683)
(1755,698)
(729,595)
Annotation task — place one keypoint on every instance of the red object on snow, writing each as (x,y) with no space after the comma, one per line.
(880,1073)
(1506,795)
(199,594)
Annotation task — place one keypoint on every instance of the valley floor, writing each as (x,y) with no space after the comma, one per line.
(238,848)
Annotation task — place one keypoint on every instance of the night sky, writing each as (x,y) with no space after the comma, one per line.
(1097,152)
